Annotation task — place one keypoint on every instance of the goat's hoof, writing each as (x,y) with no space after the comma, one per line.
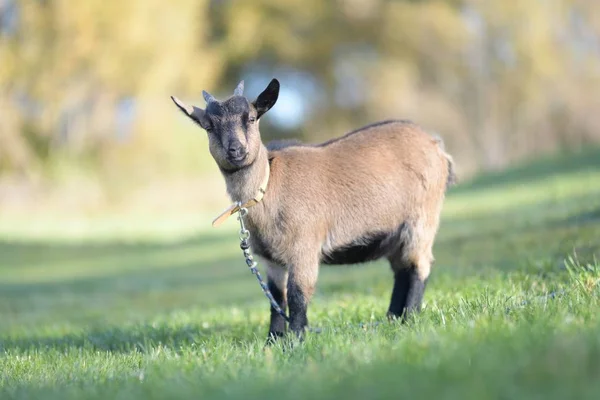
(274,337)
(392,317)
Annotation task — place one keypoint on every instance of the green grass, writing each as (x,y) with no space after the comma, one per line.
(187,320)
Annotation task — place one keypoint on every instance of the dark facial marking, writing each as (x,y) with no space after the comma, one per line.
(232,107)
(227,125)
(215,109)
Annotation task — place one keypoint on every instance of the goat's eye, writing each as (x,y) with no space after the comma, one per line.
(251,120)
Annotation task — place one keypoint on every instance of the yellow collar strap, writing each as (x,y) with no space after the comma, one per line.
(235,207)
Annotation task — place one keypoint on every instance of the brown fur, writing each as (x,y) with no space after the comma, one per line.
(369,182)
(386,181)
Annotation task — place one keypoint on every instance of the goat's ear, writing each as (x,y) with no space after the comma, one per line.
(196,114)
(267,98)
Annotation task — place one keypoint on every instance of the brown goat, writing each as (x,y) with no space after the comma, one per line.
(375,192)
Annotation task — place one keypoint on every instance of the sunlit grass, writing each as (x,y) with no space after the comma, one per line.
(510,310)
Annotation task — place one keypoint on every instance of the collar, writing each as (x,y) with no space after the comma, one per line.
(235,207)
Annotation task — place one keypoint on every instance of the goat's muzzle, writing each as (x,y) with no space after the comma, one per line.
(237,155)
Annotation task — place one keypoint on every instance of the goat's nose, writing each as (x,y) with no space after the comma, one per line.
(233,150)
(236,151)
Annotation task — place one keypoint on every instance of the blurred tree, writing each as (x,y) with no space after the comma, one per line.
(499,80)
(69,68)
(492,77)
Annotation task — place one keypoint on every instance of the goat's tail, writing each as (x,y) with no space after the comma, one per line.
(451,179)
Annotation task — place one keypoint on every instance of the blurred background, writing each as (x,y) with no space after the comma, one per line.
(88,132)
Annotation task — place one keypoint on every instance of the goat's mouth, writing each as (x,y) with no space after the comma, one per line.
(238,160)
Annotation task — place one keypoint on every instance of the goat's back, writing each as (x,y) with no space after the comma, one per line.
(392,155)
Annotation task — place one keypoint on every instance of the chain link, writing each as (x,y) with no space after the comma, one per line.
(245,246)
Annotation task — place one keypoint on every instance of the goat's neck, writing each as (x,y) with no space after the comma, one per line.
(243,184)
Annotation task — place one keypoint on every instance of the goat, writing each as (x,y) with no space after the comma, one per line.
(375,192)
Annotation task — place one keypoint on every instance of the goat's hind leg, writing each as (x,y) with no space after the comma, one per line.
(410,280)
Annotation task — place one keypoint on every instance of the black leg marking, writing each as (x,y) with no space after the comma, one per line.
(399,293)
(298,307)
(414,298)
(277,327)
(407,295)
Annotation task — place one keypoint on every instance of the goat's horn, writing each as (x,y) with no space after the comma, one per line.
(208,97)
(239,90)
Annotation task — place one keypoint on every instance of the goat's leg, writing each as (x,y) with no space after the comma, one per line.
(277,283)
(410,280)
(300,288)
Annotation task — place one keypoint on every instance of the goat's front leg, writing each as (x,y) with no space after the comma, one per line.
(301,285)
(277,283)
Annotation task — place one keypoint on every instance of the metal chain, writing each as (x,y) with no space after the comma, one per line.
(245,246)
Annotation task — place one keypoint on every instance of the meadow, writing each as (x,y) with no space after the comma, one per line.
(511,309)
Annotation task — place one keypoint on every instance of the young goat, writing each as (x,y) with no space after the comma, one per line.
(375,192)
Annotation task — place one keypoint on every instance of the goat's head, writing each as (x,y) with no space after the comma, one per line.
(232,124)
